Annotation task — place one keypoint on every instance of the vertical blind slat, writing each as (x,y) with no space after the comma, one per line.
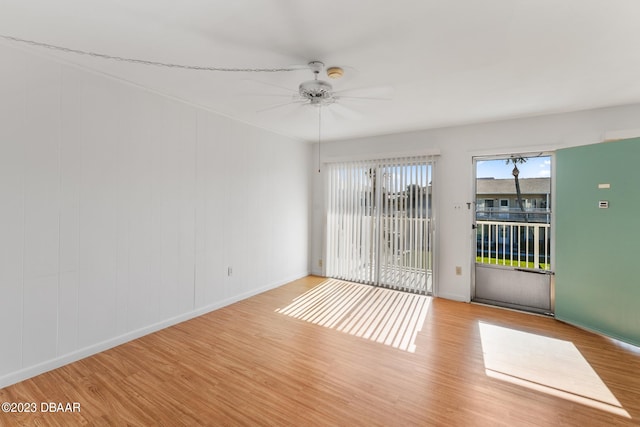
(378,222)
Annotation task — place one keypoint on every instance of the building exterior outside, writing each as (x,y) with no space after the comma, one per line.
(496,200)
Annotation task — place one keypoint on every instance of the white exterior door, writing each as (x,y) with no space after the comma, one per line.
(513,239)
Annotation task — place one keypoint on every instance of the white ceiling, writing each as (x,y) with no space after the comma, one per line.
(449,62)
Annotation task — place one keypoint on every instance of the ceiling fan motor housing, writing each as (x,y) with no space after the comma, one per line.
(316,91)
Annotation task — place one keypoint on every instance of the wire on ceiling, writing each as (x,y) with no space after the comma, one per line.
(145,62)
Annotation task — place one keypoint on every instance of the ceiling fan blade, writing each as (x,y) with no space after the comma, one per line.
(344,112)
(279,105)
(272,85)
(364,97)
(269,95)
(273,106)
(374,92)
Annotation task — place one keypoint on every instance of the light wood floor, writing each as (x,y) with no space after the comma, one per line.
(284,358)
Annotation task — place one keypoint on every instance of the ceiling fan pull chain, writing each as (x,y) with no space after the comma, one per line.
(319,128)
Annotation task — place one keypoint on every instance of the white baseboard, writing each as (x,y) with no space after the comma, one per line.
(454,297)
(620,340)
(49,365)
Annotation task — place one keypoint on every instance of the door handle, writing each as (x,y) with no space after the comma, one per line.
(547,272)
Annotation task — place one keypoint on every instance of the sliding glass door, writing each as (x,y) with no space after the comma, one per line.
(379,224)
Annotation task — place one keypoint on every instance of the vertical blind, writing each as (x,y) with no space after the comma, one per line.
(379,222)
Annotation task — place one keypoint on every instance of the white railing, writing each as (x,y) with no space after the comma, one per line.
(514,244)
(513,214)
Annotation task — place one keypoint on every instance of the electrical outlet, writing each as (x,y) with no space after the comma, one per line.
(320,262)
(458,270)
(229,271)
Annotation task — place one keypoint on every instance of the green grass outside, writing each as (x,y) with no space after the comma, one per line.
(509,263)
(423,258)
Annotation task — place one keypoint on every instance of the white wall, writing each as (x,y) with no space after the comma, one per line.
(121,211)
(454,172)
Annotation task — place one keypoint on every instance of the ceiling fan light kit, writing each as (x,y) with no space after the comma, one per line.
(319,92)
(335,72)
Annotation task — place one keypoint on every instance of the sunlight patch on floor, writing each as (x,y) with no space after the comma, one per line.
(544,364)
(385,316)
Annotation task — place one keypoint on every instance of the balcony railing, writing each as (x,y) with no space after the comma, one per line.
(514,244)
(513,214)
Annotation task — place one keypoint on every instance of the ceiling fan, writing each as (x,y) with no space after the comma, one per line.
(320,93)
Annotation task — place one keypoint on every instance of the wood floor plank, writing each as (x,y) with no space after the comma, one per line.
(256,363)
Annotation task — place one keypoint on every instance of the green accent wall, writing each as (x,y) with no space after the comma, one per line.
(598,250)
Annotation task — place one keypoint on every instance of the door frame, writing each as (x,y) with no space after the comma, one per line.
(473,249)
